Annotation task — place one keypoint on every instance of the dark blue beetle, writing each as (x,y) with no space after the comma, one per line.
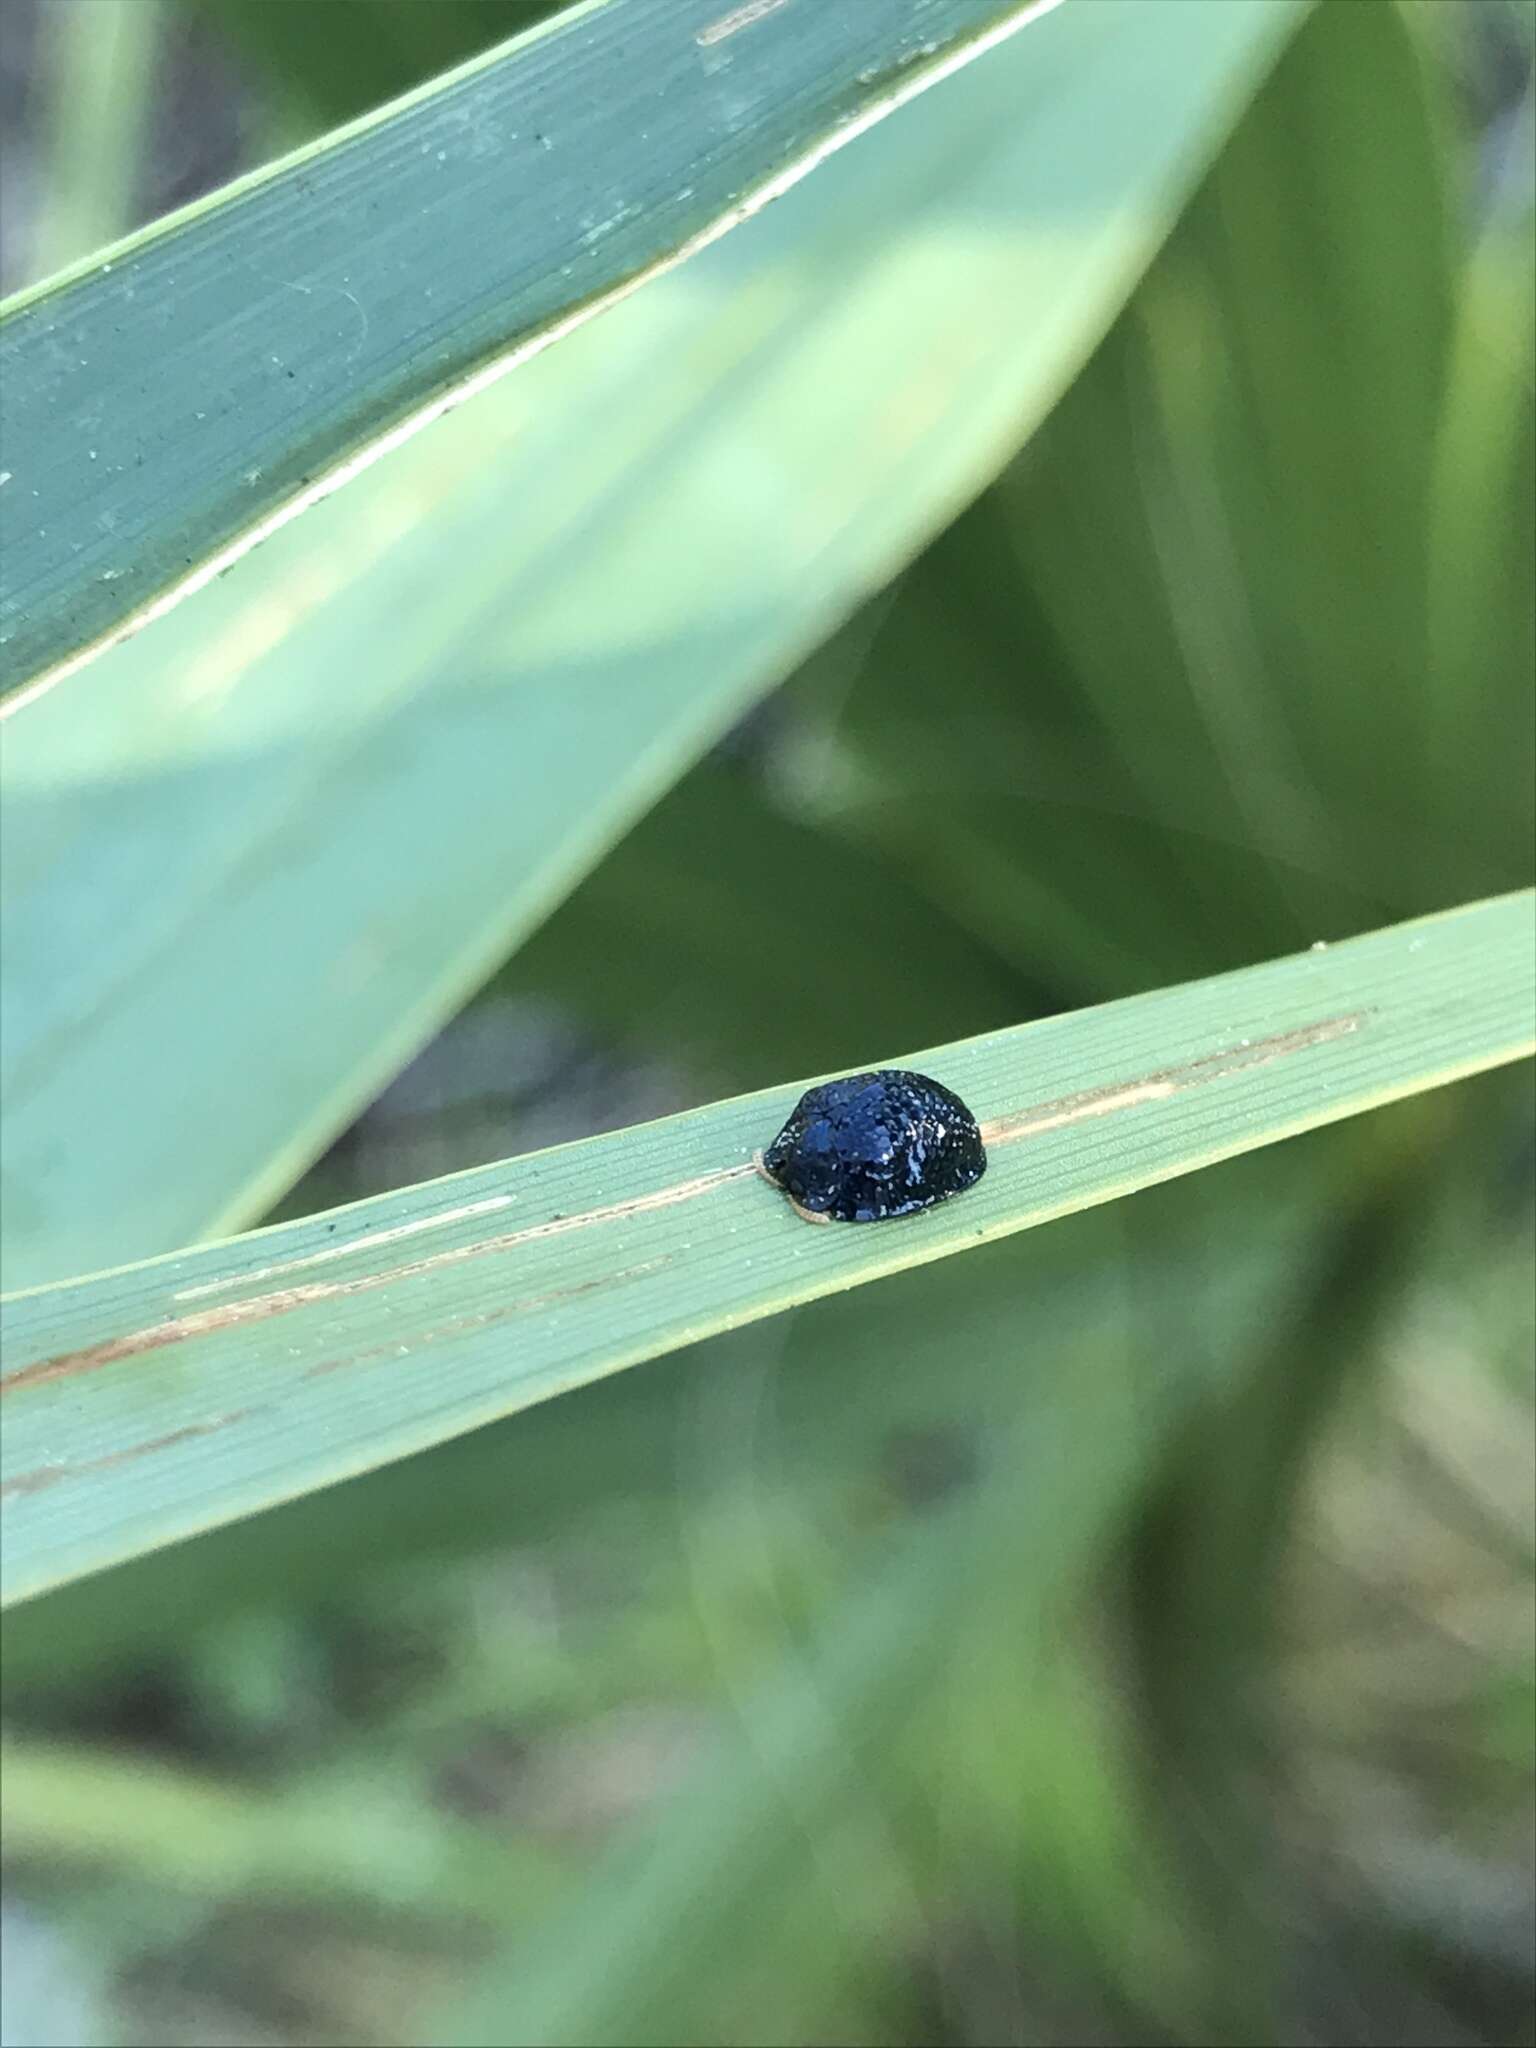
(875,1145)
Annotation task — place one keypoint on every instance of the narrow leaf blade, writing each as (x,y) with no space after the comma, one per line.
(149,1403)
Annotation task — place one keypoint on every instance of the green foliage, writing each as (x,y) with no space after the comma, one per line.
(1218,719)
(446,237)
(1121,1632)
(527,624)
(314,1350)
(321,66)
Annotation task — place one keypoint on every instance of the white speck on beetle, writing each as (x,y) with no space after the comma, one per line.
(1318,946)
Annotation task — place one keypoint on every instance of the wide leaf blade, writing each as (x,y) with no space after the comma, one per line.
(172,400)
(254,858)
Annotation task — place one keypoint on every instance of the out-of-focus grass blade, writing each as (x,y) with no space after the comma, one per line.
(1211,566)
(808,1754)
(727,961)
(1479,712)
(252,859)
(329,64)
(741,1489)
(96,62)
(173,1826)
(145,1404)
(845,1395)
(847,1374)
(171,399)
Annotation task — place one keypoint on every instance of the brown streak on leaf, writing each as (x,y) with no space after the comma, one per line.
(1166,1081)
(50,1475)
(258,1307)
(456,1324)
(731,24)
(1045,1116)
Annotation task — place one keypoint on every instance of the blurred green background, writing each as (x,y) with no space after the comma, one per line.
(1122,1634)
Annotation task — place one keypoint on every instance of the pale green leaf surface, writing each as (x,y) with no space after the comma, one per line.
(170,397)
(254,857)
(151,1402)
(818,1398)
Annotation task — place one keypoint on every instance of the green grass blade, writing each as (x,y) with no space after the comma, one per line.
(199,1834)
(809,1748)
(1194,767)
(321,67)
(148,1403)
(98,61)
(171,401)
(709,979)
(255,857)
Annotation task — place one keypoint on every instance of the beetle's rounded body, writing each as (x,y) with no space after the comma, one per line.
(876,1145)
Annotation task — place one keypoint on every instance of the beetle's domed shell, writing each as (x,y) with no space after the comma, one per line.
(876,1145)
